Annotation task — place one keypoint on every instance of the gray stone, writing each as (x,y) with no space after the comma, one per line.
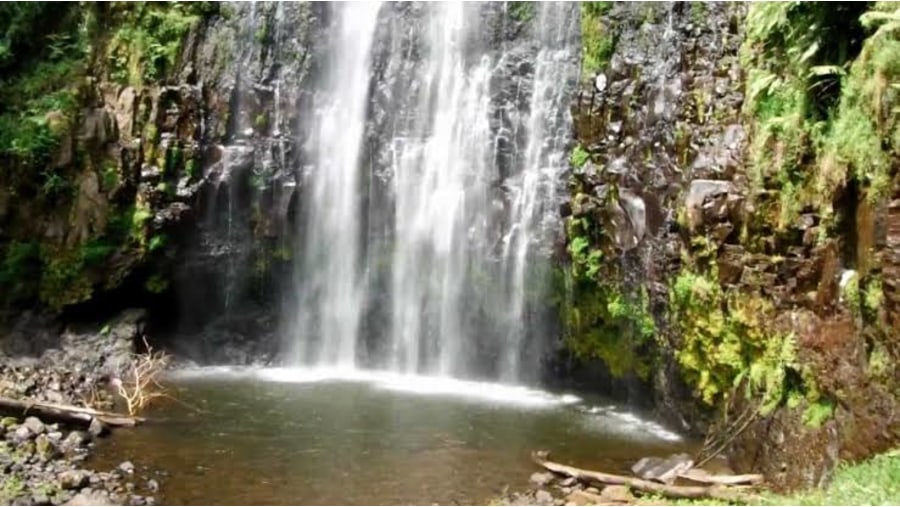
(542,497)
(74,479)
(96,427)
(617,494)
(152,485)
(22,433)
(45,448)
(542,478)
(127,467)
(90,498)
(662,470)
(76,439)
(34,425)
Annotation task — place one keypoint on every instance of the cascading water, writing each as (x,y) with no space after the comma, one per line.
(437,144)
(331,294)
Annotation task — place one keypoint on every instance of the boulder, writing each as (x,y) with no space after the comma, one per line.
(90,498)
(76,439)
(34,425)
(97,428)
(74,479)
(45,448)
(541,478)
(617,494)
(22,433)
(710,202)
(542,497)
(662,469)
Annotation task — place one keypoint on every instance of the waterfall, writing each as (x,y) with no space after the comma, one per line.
(437,148)
(329,279)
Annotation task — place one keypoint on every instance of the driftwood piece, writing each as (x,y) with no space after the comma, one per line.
(704,477)
(716,491)
(65,413)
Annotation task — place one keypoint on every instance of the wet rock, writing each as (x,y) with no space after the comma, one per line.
(76,439)
(8,422)
(568,482)
(74,479)
(90,498)
(126,467)
(662,470)
(709,201)
(35,425)
(617,494)
(45,448)
(543,497)
(579,497)
(97,428)
(40,498)
(21,433)
(541,478)
(153,485)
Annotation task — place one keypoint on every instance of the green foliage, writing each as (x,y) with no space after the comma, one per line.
(191,169)
(156,284)
(523,12)
(63,280)
(148,39)
(21,265)
(601,320)
(818,412)
(110,176)
(725,343)
(864,136)
(875,481)
(11,486)
(156,242)
(597,39)
(821,114)
(579,157)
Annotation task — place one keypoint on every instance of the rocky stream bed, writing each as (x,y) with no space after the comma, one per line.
(45,462)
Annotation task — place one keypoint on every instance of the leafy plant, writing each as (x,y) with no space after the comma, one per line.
(597,38)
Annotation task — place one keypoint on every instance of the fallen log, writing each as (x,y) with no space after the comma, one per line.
(704,477)
(65,413)
(716,491)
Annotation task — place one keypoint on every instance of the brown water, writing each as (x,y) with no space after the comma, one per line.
(287,437)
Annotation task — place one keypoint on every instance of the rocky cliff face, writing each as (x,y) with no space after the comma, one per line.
(700,255)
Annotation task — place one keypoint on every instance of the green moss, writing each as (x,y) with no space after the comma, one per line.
(156,284)
(850,294)
(597,38)
(63,281)
(21,266)
(821,116)
(523,12)
(191,169)
(156,242)
(579,157)
(11,486)
(146,44)
(110,176)
(601,320)
(725,342)
(818,412)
